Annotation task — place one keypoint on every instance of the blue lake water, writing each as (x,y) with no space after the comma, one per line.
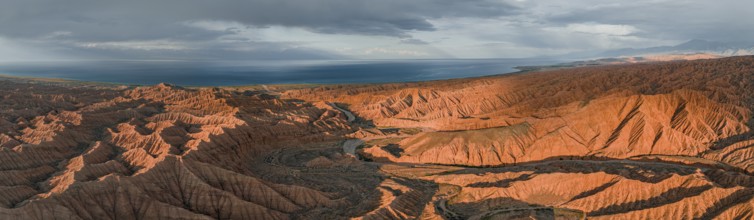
(228,73)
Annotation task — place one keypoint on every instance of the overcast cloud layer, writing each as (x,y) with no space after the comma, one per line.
(356,29)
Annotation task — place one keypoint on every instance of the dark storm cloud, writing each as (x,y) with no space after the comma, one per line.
(150,19)
(342,29)
(83,28)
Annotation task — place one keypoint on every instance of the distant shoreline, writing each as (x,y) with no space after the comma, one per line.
(519,69)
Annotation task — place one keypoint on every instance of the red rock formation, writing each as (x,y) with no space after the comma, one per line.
(666,140)
(690,115)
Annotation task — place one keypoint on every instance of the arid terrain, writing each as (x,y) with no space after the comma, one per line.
(660,140)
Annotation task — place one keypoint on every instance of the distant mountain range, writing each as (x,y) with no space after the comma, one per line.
(691,47)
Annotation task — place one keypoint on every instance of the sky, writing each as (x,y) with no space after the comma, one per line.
(33,30)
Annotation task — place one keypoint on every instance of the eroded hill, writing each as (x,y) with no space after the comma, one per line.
(668,140)
(652,119)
